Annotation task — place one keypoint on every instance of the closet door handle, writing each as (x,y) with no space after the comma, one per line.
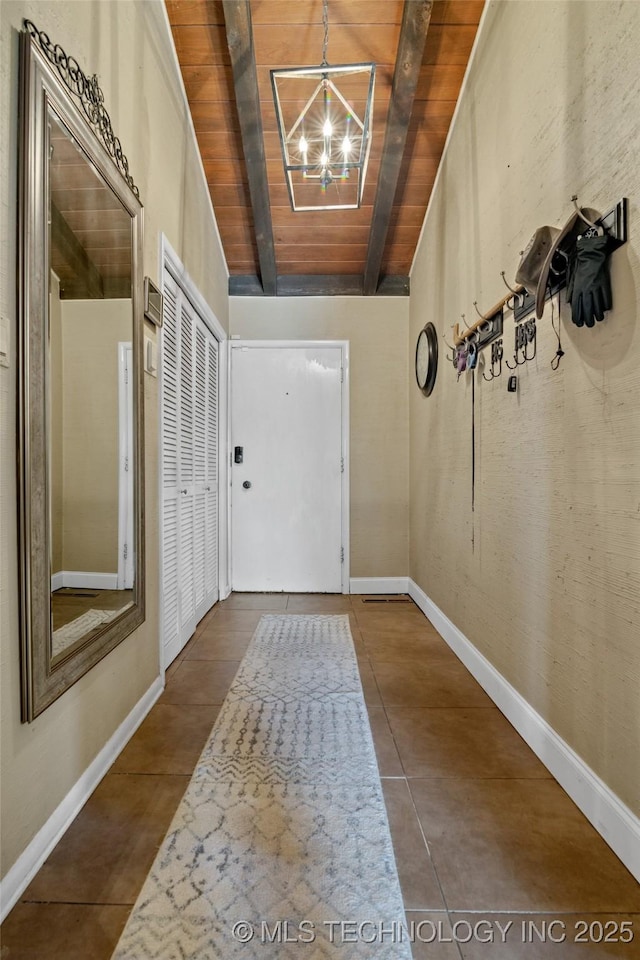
(184,491)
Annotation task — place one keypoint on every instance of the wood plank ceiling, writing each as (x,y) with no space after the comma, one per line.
(226,49)
(90,230)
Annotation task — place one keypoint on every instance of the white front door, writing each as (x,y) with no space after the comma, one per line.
(287,468)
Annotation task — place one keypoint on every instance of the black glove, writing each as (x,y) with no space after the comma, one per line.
(571,271)
(589,285)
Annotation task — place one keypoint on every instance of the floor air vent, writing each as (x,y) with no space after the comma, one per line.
(66,592)
(392,599)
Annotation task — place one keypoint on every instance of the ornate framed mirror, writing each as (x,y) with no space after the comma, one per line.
(80,454)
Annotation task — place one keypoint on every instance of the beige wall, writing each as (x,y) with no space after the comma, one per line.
(544,577)
(377,331)
(91,331)
(128,45)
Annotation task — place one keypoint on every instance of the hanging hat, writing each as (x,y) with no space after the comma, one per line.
(534,257)
(565,240)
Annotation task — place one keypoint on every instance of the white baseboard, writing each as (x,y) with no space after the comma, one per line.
(84,580)
(378,585)
(57,581)
(615,823)
(27,865)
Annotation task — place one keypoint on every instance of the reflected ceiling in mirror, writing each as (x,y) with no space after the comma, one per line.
(90,229)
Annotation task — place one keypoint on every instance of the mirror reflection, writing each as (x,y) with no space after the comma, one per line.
(90,397)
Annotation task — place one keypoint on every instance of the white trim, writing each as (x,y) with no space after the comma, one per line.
(224,504)
(379,585)
(27,865)
(84,580)
(616,824)
(346,486)
(452,126)
(343,346)
(57,581)
(170,259)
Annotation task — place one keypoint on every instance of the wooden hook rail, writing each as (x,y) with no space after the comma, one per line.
(460,336)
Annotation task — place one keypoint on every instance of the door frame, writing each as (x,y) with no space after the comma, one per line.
(170,261)
(343,346)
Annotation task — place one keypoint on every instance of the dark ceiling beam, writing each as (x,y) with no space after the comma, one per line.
(416,16)
(237,18)
(312,285)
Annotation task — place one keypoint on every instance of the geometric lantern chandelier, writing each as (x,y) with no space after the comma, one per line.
(325,131)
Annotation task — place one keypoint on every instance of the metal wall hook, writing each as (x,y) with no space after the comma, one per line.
(507,284)
(530,338)
(563,270)
(497,353)
(518,363)
(465,327)
(512,302)
(520,344)
(482,366)
(517,300)
(448,345)
(574,200)
(479,312)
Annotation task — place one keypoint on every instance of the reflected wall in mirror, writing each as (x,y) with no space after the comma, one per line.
(81,386)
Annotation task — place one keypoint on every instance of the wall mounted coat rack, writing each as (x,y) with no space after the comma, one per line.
(468,340)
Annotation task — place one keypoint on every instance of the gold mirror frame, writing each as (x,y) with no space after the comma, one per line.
(49,80)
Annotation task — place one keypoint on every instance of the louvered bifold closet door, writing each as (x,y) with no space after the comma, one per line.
(189,469)
(186,566)
(200,467)
(211,479)
(170,416)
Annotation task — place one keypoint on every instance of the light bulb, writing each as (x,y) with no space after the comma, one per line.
(304,146)
(327,129)
(346,146)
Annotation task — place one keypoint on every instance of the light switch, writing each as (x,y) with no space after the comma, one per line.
(150,357)
(5,343)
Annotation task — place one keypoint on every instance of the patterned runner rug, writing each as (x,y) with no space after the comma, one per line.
(281,845)
(64,636)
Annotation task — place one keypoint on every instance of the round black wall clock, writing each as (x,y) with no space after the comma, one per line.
(427,358)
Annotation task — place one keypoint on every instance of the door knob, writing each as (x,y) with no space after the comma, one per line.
(247,484)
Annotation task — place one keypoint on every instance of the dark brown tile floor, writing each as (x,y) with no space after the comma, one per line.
(494,860)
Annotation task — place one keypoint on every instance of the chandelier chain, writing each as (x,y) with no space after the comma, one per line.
(325,23)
